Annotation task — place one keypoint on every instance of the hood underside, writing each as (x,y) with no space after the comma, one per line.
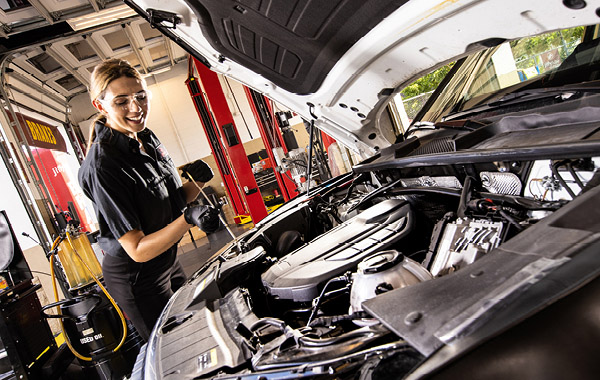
(348,58)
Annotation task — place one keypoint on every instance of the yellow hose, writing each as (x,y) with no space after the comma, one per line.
(62,327)
(112,301)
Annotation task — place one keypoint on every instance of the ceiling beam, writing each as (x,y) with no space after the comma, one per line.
(94,5)
(134,46)
(36,99)
(94,46)
(4,29)
(38,87)
(169,49)
(52,53)
(42,10)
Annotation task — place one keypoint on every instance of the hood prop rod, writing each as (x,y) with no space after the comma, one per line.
(311,108)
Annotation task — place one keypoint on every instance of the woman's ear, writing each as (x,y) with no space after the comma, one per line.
(98,105)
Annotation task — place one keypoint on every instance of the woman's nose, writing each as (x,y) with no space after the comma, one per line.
(136,104)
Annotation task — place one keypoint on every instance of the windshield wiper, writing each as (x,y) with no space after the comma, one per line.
(564,92)
(427,125)
(538,93)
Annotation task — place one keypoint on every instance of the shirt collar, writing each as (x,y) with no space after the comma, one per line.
(119,140)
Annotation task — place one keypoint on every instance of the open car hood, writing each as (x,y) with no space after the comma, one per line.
(348,58)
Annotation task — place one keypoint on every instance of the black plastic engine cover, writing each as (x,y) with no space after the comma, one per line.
(202,340)
(300,275)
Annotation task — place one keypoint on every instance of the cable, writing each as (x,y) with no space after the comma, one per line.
(320,298)
(238,106)
(511,220)
(575,176)
(374,194)
(112,301)
(554,168)
(465,196)
(324,342)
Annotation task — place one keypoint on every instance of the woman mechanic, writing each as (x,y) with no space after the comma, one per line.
(138,197)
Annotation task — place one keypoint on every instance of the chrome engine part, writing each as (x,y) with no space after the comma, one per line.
(427,181)
(501,183)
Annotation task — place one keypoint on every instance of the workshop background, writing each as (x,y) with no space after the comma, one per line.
(45,72)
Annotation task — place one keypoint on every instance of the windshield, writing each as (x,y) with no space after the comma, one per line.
(533,62)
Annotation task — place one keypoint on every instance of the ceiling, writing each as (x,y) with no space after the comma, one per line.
(52,46)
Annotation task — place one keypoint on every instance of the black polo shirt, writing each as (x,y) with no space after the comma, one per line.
(130,189)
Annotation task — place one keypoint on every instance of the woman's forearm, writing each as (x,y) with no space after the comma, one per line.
(142,248)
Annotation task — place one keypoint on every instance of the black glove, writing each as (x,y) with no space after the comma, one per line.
(205,217)
(198,170)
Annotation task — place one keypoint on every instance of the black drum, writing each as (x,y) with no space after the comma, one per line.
(94,329)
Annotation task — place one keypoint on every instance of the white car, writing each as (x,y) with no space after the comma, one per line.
(465,245)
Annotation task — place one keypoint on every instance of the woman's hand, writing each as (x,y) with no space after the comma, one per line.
(205,217)
(197,171)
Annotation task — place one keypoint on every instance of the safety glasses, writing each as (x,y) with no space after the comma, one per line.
(123,102)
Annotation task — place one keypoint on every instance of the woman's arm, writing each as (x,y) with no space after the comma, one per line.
(142,248)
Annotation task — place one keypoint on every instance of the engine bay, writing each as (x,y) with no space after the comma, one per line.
(290,293)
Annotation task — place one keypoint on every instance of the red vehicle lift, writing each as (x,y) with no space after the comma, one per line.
(272,137)
(225,142)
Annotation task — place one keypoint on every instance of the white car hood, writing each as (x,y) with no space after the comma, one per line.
(412,40)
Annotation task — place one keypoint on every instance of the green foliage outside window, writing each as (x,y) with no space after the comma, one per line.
(427,83)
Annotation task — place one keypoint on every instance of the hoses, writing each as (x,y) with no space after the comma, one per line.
(278,323)
(112,301)
(465,196)
(554,168)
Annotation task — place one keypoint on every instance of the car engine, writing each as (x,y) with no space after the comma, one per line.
(289,293)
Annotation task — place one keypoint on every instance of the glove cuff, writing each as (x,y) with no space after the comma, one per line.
(187,216)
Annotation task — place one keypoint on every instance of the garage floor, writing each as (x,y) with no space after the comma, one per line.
(193,254)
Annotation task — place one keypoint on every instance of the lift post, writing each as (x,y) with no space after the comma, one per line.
(226,144)
(233,193)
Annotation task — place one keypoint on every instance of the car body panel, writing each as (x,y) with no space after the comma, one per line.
(414,39)
(495,204)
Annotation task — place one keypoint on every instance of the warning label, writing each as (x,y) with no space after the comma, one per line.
(207,359)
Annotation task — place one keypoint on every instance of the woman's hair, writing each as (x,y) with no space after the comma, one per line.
(103,74)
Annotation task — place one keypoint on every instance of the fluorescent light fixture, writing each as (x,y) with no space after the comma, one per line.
(102,17)
(158,71)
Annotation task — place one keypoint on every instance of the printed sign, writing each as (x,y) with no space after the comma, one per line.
(41,135)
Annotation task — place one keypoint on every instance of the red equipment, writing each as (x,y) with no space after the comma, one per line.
(225,142)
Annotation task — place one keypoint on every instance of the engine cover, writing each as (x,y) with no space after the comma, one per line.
(298,275)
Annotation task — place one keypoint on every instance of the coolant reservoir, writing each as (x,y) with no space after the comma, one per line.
(383,272)
(76,273)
